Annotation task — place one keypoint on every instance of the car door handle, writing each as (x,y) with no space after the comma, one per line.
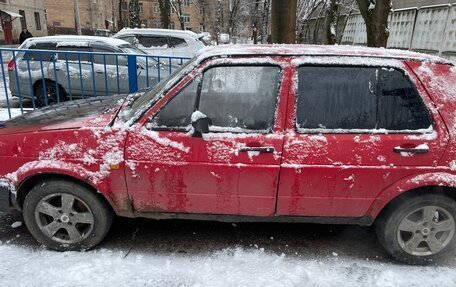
(418,149)
(257,149)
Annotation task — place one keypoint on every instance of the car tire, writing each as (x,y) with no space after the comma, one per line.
(51,94)
(418,230)
(64,216)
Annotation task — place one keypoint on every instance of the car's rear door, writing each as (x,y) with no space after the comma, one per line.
(234,169)
(352,131)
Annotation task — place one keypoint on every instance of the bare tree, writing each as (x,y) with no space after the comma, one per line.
(234,9)
(375,14)
(283,21)
(135,22)
(265,21)
(331,19)
(164,13)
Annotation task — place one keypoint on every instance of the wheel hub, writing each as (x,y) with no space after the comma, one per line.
(425,231)
(65,218)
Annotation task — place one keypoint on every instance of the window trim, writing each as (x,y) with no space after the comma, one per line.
(422,131)
(198,96)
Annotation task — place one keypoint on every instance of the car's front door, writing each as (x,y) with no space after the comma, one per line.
(353,131)
(233,169)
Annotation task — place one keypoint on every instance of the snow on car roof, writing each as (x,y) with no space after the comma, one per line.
(74,39)
(315,50)
(167,32)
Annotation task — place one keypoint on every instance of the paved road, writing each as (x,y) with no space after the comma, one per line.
(198,238)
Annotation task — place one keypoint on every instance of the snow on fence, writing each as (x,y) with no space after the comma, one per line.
(32,79)
(429,29)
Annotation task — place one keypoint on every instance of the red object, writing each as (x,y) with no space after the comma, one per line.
(11,65)
(335,175)
(7,32)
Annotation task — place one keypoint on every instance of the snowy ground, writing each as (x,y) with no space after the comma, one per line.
(188,253)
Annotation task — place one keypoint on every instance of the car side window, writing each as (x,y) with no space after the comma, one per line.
(357,98)
(336,98)
(400,105)
(240,97)
(45,56)
(177,42)
(74,56)
(235,98)
(110,59)
(153,41)
(177,112)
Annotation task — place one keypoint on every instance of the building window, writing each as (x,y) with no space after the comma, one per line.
(171,25)
(124,6)
(141,7)
(186,3)
(37,21)
(201,10)
(201,28)
(186,18)
(156,8)
(23,20)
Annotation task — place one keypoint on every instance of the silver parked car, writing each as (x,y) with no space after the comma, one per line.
(79,74)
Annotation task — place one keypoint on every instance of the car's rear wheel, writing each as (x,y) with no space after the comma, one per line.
(48,95)
(418,230)
(64,215)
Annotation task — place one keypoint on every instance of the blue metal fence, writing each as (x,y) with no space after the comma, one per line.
(37,78)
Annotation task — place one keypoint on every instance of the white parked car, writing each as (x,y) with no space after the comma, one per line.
(163,42)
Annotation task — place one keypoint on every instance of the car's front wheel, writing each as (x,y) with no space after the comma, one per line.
(420,229)
(64,215)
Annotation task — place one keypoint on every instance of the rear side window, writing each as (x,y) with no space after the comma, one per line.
(153,42)
(177,42)
(74,56)
(358,98)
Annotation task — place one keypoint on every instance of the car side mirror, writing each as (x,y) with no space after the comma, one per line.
(200,123)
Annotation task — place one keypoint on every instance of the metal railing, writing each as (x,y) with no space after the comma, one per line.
(33,79)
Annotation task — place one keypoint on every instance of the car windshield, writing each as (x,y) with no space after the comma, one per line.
(145,101)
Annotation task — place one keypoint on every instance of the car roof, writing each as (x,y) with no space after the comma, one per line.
(163,32)
(316,50)
(73,39)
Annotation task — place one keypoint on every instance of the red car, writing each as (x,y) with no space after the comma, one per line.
(259,133)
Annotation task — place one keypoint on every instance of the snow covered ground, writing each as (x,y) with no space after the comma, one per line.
(187,253)
(22,266)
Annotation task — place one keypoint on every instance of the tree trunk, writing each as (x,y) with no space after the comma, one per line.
(164,13)
(135,22)
(331,22)
(375,14)
(233,16)
(181,19)
(265,22)
(255,24)
(120,23)
(283,22)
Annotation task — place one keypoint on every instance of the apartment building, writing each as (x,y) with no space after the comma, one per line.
(196,15)
(18,14)
(93,14)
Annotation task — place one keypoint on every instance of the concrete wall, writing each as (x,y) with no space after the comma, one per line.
(29,7)
(400,4)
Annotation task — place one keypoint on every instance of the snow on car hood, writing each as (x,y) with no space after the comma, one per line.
(92,112)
